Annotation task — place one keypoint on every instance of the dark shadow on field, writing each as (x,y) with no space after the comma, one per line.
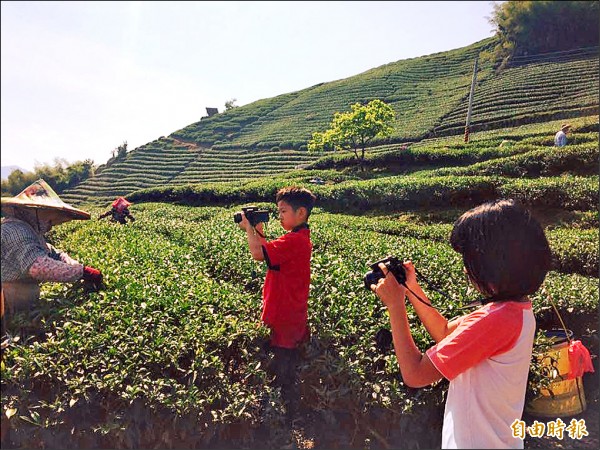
(31,325)
(335,411)
(332,414)
(556,217)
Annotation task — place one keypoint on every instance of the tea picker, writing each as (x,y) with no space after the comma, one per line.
(27,258)
(119,211)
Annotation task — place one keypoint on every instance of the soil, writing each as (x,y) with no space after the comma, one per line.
(310,433)
(590,418)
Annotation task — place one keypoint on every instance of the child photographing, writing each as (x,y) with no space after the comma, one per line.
(286,288)
(486,354)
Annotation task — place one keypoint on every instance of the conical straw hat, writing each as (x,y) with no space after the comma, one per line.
(41,197)
(120,203)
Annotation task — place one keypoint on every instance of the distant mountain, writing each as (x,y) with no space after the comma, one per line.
(7,170)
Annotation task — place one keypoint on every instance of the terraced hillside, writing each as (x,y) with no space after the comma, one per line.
(429,95)
(152,164)
(519,162)
(241,164)
(532,89)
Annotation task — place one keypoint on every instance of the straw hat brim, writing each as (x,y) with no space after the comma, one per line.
(40,197)
(67,212)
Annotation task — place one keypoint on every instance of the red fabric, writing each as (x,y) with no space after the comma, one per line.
(488,331)
(92,278)
(580,360)
(120,204)
(91,274)
(285,293)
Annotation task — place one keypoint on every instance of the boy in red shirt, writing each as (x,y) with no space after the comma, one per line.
(286,288)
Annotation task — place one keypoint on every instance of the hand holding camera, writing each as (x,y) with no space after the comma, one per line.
(253,214)
(392,288)
(391,264)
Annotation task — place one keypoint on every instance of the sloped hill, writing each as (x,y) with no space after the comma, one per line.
(532,89)
(420,90)
(429,95)
(241,164)
(152,164)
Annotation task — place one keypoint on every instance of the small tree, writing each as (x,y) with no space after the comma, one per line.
(120,151)
(79,171)
(355,129)
(230,104)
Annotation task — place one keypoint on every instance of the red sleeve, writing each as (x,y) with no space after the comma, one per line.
(489,331)
(280,250)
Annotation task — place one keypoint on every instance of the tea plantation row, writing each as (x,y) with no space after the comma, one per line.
(171,355)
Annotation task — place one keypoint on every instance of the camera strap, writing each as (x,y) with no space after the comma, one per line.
(432,286)
(259,233)
(439,291)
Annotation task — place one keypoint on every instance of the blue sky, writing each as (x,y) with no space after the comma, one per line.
(80,78)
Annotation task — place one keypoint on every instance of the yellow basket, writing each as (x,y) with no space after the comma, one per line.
(563,397)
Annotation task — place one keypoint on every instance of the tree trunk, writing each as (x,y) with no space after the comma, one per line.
(362,158)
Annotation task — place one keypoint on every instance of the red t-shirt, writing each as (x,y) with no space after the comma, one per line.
(285,293)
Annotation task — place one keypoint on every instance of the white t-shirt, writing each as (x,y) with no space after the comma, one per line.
(560,139)
(487,359)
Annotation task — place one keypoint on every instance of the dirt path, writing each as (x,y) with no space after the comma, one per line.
(188,144)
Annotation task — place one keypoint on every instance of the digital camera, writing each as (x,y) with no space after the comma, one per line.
(393,264)
(253,214)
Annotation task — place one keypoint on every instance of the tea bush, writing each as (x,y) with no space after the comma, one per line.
(171,352)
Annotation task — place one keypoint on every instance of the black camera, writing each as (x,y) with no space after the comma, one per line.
(393,264)
(253,214)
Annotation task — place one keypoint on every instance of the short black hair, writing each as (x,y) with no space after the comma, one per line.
(504,249)
(297,197)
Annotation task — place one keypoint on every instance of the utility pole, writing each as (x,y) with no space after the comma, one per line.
(467,130)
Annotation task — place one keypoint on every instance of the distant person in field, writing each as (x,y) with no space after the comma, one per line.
(27,259)
(119,211)
(485,354)
(560,139)
(286,288)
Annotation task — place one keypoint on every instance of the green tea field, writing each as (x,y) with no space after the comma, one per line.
(171,354)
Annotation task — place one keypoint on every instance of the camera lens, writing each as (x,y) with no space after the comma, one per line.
(372,277)
(237,217)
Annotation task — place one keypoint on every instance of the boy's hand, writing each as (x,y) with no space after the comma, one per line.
(259,228)
(244,224)
(388,289)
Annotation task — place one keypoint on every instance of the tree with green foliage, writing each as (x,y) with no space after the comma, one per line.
(60,176)
(120,151)
(355,129)
(80,171)
(533,27)
(230,104)
(16,182)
